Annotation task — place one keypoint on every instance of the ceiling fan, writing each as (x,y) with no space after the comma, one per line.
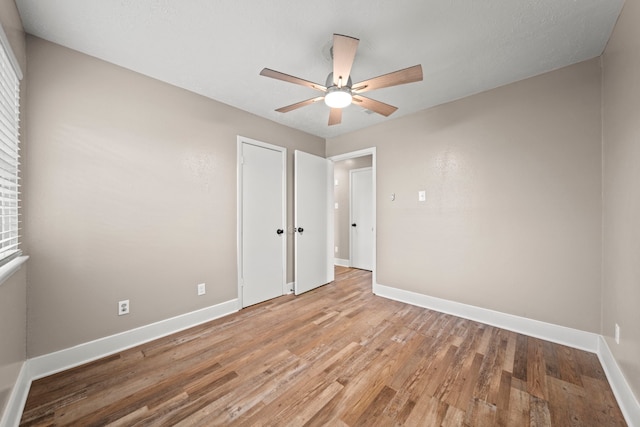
(338,91)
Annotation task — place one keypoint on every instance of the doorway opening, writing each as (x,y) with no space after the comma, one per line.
(347,236)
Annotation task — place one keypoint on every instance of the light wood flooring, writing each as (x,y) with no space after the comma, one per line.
(336,356)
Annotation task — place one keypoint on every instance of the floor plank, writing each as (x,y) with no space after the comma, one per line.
(339,356)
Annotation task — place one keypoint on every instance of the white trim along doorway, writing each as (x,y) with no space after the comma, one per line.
(352,155)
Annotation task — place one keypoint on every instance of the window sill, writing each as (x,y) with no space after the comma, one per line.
(11,267)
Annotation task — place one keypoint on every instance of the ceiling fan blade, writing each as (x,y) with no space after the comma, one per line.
(344,52)
(298,105)
(267,72)
(373,105)
(400,77)
(335,116)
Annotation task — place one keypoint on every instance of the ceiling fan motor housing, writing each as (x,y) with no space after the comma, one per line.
(330,82)
(339,93)
(338,96)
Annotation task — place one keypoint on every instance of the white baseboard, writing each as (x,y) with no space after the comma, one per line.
(582,340)
(58,361)
(342,262)
(17,399)
(48,364)
(51,363)
(559,334)
(624,395)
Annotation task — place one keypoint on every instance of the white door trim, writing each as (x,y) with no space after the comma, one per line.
(352,155)
(283,153)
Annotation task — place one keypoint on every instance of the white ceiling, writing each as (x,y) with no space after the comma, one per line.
(217,47)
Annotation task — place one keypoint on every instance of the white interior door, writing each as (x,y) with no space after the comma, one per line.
(262,207)
(313,184)
(361,235)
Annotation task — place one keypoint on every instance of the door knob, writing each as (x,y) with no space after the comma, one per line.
(300,229)
(353,225)
(279,231)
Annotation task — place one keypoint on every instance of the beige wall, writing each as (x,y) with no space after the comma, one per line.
(621,182)
(341,194)
(131,194)
(513,211)
(13,292)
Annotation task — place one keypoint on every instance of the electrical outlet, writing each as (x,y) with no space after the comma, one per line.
(123,307)
(335,249)
(617,334)
(202,289)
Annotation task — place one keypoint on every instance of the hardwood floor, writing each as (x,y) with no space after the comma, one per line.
(336,356)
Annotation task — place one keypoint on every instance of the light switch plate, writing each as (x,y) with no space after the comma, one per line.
(422,196)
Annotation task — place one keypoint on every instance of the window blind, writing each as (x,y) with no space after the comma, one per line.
(9,156)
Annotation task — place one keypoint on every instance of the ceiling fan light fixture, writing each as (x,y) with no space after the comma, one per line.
(338,97)
(337,93)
